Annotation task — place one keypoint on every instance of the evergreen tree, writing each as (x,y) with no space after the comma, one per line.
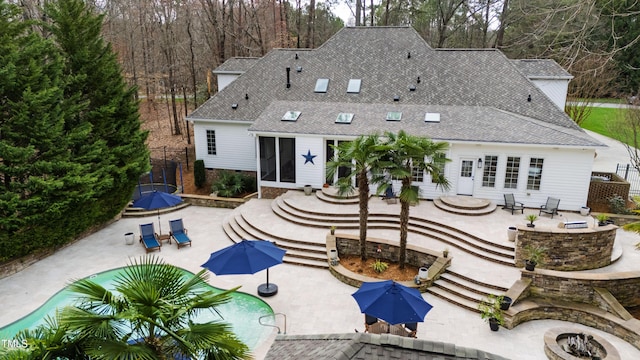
(106,134)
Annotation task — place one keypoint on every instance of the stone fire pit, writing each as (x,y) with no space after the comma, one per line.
(558,341)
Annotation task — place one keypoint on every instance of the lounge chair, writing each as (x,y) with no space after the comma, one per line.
(179,233)
(551,207)
(389,196)
(510,203)
(149,238)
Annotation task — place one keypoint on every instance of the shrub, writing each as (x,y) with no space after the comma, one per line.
(199,174)
(380,266)
(228,184)
(618,205)
(249,183)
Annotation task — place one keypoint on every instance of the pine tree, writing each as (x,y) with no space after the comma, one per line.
(114,145)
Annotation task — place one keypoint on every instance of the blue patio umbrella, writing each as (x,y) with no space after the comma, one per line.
(157,200)
(247,257)
(391,302)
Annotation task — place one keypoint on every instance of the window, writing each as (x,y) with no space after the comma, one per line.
(291,116)
(511,173)
(490,169)
(211,142)
(322,85)
(344,118)
(287,160)
(432,117)
(535,174)
(354,86)
(417,174)
(394,116)
(267,158)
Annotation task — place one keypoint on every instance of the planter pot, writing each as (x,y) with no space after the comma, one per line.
(506,303)
(531,225)
(308,189)
(422,273)
(529,265)
(493,324)
(128,238)
(584,211)
(512,233)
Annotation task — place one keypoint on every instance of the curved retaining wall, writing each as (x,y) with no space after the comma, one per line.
(569,249)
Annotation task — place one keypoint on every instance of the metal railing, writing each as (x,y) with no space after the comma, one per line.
(274,318)
(631,175)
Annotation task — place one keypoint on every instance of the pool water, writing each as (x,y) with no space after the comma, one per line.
(242,312)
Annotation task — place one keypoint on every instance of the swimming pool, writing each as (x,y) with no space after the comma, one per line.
(242,312)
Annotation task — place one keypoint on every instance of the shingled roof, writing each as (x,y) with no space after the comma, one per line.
(475,87)
(541,69)
(361,346)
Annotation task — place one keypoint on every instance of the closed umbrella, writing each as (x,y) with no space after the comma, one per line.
(391,302)
(247,257)
(157,200)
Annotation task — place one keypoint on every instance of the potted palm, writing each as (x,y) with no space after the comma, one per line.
(531,218)
(533,255)
(491,312)
(602,219)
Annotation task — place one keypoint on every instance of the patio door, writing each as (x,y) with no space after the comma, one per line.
(465,177)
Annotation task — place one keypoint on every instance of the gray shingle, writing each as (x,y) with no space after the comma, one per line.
(541,68)
(236,65)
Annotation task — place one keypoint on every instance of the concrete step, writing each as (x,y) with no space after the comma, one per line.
(461,211)
(471,284)
(454,299)
(133,212)
(336,200)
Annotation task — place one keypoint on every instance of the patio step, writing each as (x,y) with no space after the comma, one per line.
(442,204)
(133,212)
(463,291)
(502,254)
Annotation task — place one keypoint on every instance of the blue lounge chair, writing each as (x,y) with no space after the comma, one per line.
(149,238)
(179,233)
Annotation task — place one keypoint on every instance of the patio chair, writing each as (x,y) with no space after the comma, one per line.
(369,321)
(551,207)
(179,233)
(389,196)
(149,238)
(412,328)
(398,330)
(510,203)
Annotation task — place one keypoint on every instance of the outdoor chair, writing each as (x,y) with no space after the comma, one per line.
(389,196)
(369,321)
(412,328)
(551,207)
(179,233)
(399,330)
(149,238)
(510,203)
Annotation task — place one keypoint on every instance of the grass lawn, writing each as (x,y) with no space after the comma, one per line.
(606,121)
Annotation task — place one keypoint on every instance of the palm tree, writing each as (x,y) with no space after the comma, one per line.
(150,316)
(363,158)
(406,154)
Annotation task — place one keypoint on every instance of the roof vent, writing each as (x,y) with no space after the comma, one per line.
(432,117)
(296,56)
(418,81)
(396,98)
(288,77)
(246,96)
(298,68)
(409,55)
(529,98)
(412,88)
(234,106)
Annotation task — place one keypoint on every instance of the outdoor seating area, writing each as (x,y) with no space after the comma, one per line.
(178,233)
(374,325)
(149,237)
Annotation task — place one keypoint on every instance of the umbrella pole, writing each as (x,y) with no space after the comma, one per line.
(159,224)
(267,278)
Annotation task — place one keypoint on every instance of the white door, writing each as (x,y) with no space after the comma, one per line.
(465,178)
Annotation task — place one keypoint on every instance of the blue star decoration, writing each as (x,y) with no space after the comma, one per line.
(308,157)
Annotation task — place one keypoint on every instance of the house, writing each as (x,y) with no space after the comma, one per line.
(503,119)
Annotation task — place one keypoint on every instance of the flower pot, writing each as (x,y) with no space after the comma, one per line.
(531,225)
(422,273)
(308,189)
(584,211)
(529,265)
(128,238)
(506,303)
(494,325)
(512,233)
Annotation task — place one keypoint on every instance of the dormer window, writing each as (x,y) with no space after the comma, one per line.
(291,116)
(394,116)
(344,118)
(322,85)
(354,86)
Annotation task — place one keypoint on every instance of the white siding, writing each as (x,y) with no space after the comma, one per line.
(226,79)
(310,174)
(556,90)
(235,148)
(566,174)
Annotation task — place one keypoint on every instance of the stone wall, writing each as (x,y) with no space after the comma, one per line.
(580,287)
(389,250)
(272,192)
(569,249)
(215,201)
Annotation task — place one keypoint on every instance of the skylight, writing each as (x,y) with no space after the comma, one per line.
(354,86)
(322,85)
(432,117)
(394,115)
(291,116)
(344,118)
